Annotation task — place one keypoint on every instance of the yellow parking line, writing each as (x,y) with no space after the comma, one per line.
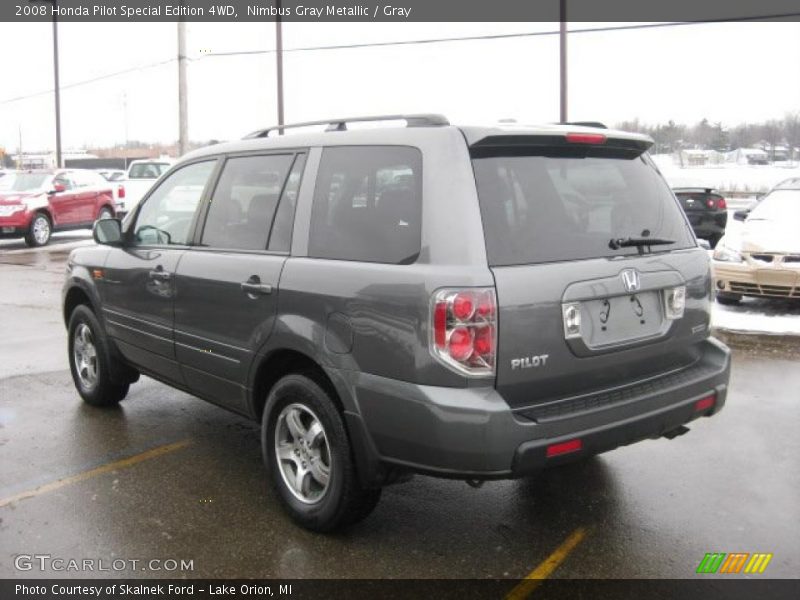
(102,469)
(525,587)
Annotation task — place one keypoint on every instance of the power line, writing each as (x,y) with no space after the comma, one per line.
(500,36)
(497,36)
(88,81)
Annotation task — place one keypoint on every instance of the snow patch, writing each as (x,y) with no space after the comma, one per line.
(756,315)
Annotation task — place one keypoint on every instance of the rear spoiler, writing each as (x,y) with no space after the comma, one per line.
(558,144)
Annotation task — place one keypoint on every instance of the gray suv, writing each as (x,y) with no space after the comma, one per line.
(466,302)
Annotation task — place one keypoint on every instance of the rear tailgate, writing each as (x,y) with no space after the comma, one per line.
(550,211)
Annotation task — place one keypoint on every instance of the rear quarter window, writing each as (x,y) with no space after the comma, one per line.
(367,204)
(538,208)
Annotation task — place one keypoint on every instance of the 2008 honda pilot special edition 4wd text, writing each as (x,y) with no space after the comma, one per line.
(464,302)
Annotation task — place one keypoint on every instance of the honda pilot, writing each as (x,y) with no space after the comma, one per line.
(465,302)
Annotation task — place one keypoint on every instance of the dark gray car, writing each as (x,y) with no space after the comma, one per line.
(473,303)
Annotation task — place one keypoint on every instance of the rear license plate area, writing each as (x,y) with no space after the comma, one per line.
(621,319)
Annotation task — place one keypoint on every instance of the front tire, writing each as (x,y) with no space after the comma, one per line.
(90,360)
(39,231)
(308,454)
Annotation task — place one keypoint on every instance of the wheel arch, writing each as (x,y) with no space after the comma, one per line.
(43,210)
(278,363)
(106,203)
(74,297)
(371,472)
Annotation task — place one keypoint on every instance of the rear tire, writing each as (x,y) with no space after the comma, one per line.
(39,231)
(105,213)
(91,361)
(728,299)
(315,476)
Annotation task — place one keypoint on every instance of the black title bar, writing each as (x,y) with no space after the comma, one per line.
(396,10)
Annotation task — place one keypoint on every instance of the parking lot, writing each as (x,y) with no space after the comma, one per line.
(166,476)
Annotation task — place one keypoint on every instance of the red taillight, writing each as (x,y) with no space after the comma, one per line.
(440,324)
(705,403)
(121,191)
(464,329)
(463,306)
(564,448)
(460,346)
(586,138)
(484,340)
(721,203)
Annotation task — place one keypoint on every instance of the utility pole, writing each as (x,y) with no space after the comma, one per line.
(19,149)
(279,63)
(59,164)
(563,58)
(183,103)
(125,115)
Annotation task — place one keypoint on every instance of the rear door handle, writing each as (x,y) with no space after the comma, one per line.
(252,287)
(160,275)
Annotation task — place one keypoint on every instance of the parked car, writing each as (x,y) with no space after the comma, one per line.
(763,259)
(790,183)
(706,210)
(140,177)
(474,303)
(116,178)
(37,203)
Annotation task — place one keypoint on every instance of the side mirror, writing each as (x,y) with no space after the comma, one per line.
(704,244)
(57,189)
(741,215)
(108,232)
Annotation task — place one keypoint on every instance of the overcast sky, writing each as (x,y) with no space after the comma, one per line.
(725,72)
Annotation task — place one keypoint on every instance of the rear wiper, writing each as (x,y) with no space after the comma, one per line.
(640,242)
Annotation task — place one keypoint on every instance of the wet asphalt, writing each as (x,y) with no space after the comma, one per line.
(651,510)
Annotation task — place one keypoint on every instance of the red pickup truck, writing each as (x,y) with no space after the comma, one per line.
(34,204)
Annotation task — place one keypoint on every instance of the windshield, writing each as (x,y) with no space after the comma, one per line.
(150,170)
(542,208)
(780,205)
(26,182)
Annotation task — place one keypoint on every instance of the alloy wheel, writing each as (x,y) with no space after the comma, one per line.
(302,453)
(84,355)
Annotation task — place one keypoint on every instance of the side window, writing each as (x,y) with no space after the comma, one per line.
(64,179)
(167,214)
(368,204)
(244,202)
(84,179)
(281,237)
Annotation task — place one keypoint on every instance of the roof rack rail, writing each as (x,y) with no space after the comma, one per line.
(421,120)
(596,124)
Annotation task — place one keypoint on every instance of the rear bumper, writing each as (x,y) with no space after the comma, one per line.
(473,433)
(708,224)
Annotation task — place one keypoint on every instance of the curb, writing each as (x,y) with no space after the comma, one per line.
(756,340)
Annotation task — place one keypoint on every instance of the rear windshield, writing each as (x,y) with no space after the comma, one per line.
(147,170)
(539,208)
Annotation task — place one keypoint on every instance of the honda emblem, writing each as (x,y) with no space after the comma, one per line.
(630,278)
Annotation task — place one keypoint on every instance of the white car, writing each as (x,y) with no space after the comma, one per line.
(141,176)
(763,258)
